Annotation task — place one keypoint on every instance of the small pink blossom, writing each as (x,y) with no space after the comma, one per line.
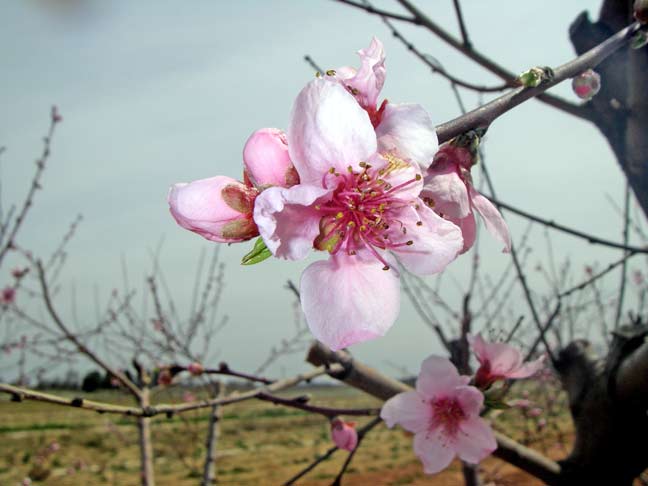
(187,397)
(587,84)
(535,412)
(443,414)
(7,295)
(449,191)
(344,434)
(521,403)
(361,205)
(195,369)
(220,208)
(500,361)
(19,272)
(541,423)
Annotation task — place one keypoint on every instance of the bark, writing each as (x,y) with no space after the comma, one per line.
(620,110)
(146,447)
(213,432)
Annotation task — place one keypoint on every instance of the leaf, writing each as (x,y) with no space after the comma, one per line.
(259,253)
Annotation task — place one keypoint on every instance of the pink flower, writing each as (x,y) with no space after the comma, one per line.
(499,361)
(443,414)
(360,205)
(220,208)
(344,434)
(7,295)
(587,84)
(450,192)
(187,397)
(195,369)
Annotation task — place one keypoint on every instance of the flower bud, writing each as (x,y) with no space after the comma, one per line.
(7,295)
(586,84)
(266,159)
(164,377)
(344,434)
(218,208)
(195,369)
(641,11)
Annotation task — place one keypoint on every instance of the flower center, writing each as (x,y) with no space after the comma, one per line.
(362,212)
(447,413)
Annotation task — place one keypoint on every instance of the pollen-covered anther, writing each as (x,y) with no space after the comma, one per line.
(339,215)
(410,243)
(419,223)
(330,72)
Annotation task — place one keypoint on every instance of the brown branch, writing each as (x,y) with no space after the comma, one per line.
(486,114)
(359,375)
(595,240)
(168,409)
(301,404)
(489,64)
(55,118)
(132,387)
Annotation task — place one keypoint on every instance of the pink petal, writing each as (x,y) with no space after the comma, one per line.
(407,130)
(468,229)
(434,450)
(439,377)
(436,242)
(348,300)
(479,347)
(410,410)
(328,129)
(199,206)
(370,78)
(475,441)
(266,159)
(447,190)
(344,435)
(528,369)
(286,220)
(470,399)
(493,220)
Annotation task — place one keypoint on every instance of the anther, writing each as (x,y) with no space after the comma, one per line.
(419,223)
(339,215)
(418,177)
(330,72)
(332,170)
(386,267)
(410,243)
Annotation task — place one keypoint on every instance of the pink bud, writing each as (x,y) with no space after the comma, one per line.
(535,412)
(164,377)
(218,208)
(637,277)
(7,295)
(26,482)
(266,159)
(542,423)
(586,84)
(344,434)
(54,446)
(56,115)
(19,272)
(188,397)
(521,403)
(195,369)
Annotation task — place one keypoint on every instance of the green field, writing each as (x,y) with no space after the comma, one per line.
(260,444)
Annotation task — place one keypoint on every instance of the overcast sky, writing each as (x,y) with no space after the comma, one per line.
(154,93)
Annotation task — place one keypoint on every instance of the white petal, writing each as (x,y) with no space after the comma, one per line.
(435,243)
(409,409)
(286,221)
(328,129)
(408,130)
(347,299)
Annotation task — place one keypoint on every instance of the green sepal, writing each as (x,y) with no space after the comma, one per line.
(259,253)
(639,40)
(494,399)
